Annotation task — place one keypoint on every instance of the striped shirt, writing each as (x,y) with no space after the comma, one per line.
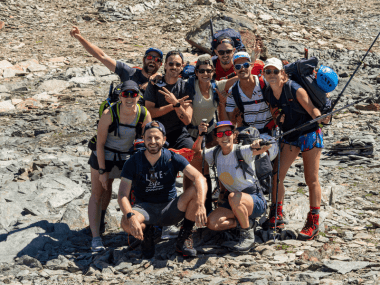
(255,114)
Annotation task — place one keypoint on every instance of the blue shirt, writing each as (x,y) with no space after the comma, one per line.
(165,171)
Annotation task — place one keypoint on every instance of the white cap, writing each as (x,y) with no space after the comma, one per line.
(274,62)
(241,54)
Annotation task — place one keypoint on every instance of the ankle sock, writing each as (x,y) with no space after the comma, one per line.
(103,215)
(187,224)
(315,210)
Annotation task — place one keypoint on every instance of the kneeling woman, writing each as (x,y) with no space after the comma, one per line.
(116,133)
(245,199)
(309,141)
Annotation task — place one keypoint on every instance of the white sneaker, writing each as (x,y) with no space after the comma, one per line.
(169,232)
(97,244)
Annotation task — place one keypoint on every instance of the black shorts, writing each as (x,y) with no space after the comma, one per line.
(180,139)
(93,162)
(160,214)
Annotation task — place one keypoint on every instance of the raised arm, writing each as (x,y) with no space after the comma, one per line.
(94,50)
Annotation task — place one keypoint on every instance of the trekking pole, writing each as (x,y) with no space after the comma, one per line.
(203,147)
(348,82)
(278,182)
(318,118)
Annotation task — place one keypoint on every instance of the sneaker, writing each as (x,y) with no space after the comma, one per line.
(170,232)
(148,248)
(97,244)
(311,228)
(185,245)
(272,217)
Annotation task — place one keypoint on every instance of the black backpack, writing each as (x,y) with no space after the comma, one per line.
(263,165)
(302,72)
(231,33)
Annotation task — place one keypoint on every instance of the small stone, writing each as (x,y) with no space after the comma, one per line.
(2,25)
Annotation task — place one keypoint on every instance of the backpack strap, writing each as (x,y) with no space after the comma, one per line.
(237,97)
(214,88)
(142,112)
(242,164)
(291,101)
(115,115)
(215,153)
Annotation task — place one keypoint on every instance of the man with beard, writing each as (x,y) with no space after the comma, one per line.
(248,90)
(152,172)
(152,61)
(167,102)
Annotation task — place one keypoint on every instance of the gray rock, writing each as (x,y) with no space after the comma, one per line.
(74,117)
(344,267)
(29,261)
(100,70)
(36,67)
(54,86)
(75,217)
(9,213)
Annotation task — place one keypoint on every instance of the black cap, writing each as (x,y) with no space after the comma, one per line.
(150,126)
(129,85)
(222,39)
(174,52)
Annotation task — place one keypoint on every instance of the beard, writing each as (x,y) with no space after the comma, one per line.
(154,150)
(225,62)
(150,70)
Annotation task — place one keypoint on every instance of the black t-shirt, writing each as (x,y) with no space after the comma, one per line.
(165,170)
(180,89)
(292,118)
(126,72)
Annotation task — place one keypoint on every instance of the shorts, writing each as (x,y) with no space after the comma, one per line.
(160,214)
(93,162)
(180,139)
(308,141)
(259,205)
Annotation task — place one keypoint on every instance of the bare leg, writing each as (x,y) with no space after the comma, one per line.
(221,219)
(106,199)
(242,207)
(311,167)
(197,163)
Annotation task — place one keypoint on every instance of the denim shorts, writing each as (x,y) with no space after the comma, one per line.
(259,205)
(308,141)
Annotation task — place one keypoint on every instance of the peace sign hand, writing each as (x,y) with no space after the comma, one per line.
(169,97)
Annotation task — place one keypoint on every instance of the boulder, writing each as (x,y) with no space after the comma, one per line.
(76,116)
(9,213)
(100,70)
(75,217)
(53,85)
(6,106)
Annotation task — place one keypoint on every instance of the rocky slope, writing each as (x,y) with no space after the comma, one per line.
(50,90)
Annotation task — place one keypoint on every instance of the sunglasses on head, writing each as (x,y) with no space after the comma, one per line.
(245,65)
(155,58)
(222,52)
(228,133)
(131,94)
(177,64)
(209,71)
(152,173)
(270,71)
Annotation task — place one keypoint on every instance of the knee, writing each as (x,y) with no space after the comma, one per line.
(234,199)
(312,182)
(212,223)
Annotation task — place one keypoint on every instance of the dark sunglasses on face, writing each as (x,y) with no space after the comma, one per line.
(227,133)
(222,52)
(155,58)
(239,66)
(127,94)
(270,71)
(177,64)
(209,71)
(152,173)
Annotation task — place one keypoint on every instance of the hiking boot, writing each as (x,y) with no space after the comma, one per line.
(185,243)
(170,232)
(148,247)
(97,244)
(246,240)
(272,217)
(311,228)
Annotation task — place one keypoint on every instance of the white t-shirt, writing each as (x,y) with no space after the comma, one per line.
(204,108)
(231,177)
(255,114)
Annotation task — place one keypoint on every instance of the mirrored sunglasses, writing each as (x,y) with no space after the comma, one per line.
(239,66)
(228,133)
(223,52)
(129,94)
(155,58)
(270,71)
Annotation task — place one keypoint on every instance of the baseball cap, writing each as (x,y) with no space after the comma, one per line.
(129,85)
(222,39)
(241,54)
(275,62)
(204,59)
(160,127)
(156,50)
(223,124)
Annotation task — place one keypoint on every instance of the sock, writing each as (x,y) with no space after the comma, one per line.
(103,215)
(315,210)
(208,203)
(279,206)
(187,224)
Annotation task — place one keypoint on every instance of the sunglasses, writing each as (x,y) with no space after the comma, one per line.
(239,66)
(227,133)
(129,94)
(209,71)
(152,173)
(155,58)
(222,52)
(177,64)
(270,71)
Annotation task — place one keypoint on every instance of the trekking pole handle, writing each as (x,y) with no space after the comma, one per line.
(204,133)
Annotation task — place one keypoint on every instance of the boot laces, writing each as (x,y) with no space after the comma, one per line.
(189,242)
(309,222)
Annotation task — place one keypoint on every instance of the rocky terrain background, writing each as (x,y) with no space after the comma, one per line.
(50,90)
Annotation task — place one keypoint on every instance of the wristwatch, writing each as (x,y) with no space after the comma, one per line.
(129,215)
(102,171)
(177,105)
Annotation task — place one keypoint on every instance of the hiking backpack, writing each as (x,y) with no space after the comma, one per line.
(231,33)
(302,72)
(263,165)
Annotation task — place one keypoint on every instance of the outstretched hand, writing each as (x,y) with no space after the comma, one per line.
(75,32)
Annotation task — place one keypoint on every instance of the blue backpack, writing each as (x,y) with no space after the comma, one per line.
(231,33)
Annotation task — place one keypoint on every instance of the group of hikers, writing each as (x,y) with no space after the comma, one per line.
(230,94)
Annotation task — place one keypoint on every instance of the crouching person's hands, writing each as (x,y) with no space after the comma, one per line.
(201,216)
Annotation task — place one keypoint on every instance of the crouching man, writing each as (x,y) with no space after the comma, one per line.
(152,173)
(245,200)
